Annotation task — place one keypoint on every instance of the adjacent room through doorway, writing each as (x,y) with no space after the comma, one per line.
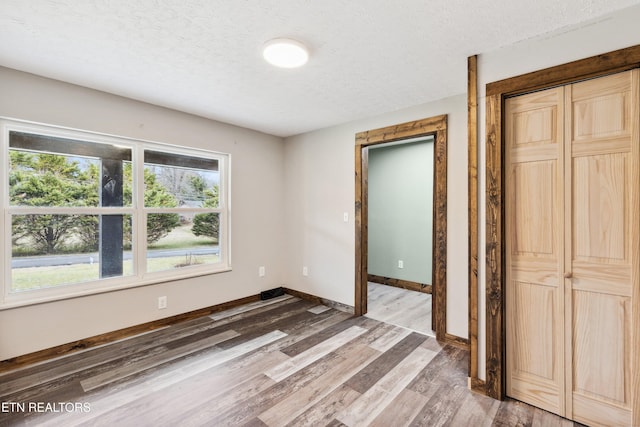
(400,232)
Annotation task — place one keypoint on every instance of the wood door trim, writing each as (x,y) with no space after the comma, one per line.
(589,68)
(596,66)
(436,126)
(472,149)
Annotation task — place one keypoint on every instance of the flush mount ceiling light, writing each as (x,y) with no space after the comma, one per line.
(285,53)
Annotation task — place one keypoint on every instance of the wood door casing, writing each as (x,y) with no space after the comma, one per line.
(436,126)
(571,209)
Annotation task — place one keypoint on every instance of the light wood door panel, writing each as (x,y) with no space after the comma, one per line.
(572,261)
(535,317)
(602,108)
(603,222)
(599,208)
(535,118)
(601,339)
(534,135)
(534,369)
(534,201)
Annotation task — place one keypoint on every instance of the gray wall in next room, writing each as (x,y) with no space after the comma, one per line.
(400,197)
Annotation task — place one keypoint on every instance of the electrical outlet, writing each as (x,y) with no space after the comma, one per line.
(305,271)
(261,271)
(400,264)
(162,302)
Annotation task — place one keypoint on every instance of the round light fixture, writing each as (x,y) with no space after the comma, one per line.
(285,53)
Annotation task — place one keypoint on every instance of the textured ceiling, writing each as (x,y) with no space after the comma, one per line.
(368,57)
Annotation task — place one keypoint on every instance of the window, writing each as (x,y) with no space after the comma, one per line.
(182,210)
(87,213)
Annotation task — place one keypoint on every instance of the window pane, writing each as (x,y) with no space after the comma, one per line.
(54,250)
(58,172)
(178,241)
(173,180)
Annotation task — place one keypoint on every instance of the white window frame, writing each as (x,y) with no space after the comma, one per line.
(139,276)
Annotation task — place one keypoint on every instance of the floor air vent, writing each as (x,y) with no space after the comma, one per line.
(271,293)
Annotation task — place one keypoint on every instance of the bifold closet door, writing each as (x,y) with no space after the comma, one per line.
(602,258)
(534,248)
(571,215)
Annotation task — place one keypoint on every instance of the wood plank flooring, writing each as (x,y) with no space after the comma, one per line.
(281,362)
(400,307)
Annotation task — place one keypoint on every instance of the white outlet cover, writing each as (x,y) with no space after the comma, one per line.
(162,302)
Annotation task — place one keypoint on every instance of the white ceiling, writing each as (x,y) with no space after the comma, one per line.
(368,57)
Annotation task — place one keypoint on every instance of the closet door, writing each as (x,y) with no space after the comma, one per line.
(572,218)
(534,248)
(602,247)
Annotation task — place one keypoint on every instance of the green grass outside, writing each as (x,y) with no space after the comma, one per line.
(24,279)
(182,237)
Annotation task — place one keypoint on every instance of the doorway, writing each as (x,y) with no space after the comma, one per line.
(435,127)
(400,233)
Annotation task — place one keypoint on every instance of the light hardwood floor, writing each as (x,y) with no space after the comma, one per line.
(400,307)
(281,362)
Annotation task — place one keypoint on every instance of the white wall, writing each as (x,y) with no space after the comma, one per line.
(609,33)
(257,222)
(320,187)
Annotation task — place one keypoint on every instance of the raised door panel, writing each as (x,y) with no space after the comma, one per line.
(600,208)
(534,357)
(535,361)
(534,188)
(536,126)
(601,108)
(602,340)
